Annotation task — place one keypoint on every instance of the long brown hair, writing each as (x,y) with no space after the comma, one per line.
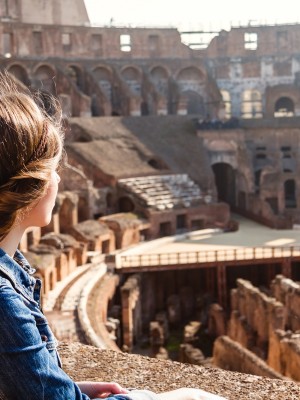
(31,145)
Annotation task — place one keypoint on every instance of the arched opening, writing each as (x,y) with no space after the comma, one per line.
(44,83)
(190,74)
(251,104)
(225,179)
(66,104)
(103,77)
(126,204)
(284,107)
(144,108)
(133,79)
(20,73)
(227,103)
(290,193)
(194,102)
(160,79)
(257,180)
(83,209)
(44,79)
(157,163)
(75,76)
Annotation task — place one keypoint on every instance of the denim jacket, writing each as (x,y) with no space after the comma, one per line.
(30,368)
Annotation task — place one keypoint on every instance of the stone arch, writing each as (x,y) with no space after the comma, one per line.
(103,76)
(132,77)
(19,72)
(44,75)
(136,104)
(160,78)
(191,74)
(282,100)
(290,197)
(126,204)
(131,72)
(225,179)
(102,72)
(223,151)
(75,73)
(44,82)
(194,102)
(191,85)
(159,72)
(284,107)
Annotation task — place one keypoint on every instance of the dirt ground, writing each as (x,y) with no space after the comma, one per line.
(83,362)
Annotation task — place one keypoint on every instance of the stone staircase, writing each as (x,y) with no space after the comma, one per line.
(163,192)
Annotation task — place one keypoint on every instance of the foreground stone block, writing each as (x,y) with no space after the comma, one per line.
(83,362)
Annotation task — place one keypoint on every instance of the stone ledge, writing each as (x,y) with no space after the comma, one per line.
(83,362)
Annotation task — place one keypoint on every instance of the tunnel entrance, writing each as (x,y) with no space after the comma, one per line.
(225,178)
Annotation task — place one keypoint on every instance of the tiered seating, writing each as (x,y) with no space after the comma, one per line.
(163,192)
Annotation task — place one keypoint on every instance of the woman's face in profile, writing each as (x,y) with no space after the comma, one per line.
(40,214)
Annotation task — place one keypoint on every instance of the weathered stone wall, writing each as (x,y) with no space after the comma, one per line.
(254,315)
(131,310)
(232,356)
(284,353)
(288,292)
(259,322)
(70,12)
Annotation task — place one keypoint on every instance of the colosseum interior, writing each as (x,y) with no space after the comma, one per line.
(165,142)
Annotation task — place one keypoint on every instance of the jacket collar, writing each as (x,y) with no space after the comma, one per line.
(19,273)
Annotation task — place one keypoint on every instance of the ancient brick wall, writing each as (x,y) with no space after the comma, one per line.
(232,356)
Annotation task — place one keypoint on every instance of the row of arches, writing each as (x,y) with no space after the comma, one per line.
(185,89)
(252,105)
(160,91)
(42,76)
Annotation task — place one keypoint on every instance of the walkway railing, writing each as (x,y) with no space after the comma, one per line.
(208,256)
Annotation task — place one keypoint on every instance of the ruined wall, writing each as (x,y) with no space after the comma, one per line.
(284,353)
(70,12)
(259,323)
(131,310)
(261,164)
(254,316)
(258,59)
(288,292)
(232,356)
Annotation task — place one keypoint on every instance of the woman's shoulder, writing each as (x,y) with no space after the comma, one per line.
(6,287)
(5,281)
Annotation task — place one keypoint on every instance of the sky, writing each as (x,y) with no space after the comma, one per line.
(192,14)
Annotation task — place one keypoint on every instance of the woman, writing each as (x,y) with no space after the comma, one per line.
(31,147)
